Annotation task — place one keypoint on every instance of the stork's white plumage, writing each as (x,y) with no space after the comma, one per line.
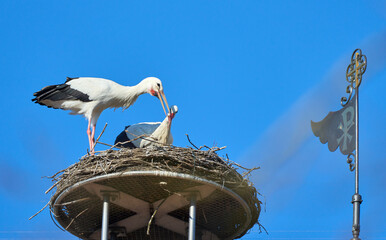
(90,96)
(157,133)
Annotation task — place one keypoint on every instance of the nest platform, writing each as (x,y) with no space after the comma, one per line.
(150,191)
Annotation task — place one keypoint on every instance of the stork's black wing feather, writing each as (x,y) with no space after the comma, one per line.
(59,93)
(122,138)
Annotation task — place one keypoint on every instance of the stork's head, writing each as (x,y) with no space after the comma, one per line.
(154,88)
(172,112)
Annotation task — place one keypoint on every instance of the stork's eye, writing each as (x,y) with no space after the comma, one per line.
(159,85)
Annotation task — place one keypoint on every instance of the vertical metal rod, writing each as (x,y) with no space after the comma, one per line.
(105,217)
(357,141)
(192,217)
(356,198)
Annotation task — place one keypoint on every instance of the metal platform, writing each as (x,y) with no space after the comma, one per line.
(134,196)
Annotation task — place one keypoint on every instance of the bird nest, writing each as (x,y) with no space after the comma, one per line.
(205,164)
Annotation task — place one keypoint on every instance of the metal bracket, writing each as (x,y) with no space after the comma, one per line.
(189,194)
(113,195)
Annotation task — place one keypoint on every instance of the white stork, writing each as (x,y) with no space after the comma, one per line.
(90,96)
(159,133)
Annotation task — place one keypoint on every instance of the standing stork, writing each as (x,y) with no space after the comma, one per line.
(90,96)
(148,134)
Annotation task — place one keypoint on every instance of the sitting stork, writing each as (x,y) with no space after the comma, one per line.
(148,134)
(90,96)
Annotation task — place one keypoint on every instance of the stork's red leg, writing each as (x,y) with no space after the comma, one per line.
(93,136)
(89,134)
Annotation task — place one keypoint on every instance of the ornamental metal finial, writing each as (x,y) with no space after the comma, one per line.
(354,74)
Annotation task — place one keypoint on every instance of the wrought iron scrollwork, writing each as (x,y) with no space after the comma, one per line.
(349,90)
(354,74)
(356,68)
(350,159)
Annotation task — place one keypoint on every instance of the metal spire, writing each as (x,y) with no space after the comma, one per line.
(354,74)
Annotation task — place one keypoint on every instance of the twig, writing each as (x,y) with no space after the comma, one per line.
(170,192)
(52,213)
(100,135)
(261,226)
(105,145)
(215,149)
(53,176)
(201,147)
(131,140)
(152,216)
(227,157)
(194,162)
(249,171)
(76,218)
(104,170)
(191,142)
(146,137)
(233,163)
(75,201)
(39,211)
(52,187)
(203,213)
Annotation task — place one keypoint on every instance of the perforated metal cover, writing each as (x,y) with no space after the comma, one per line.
(221,213)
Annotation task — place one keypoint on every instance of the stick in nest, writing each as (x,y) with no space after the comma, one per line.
(52,186)
(72,202)
(100,135)
(191,142)
(144,136)
(39,211)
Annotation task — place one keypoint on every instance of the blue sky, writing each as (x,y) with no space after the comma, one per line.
(249,75)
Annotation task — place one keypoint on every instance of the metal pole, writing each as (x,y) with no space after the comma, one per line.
(105,217)
(356,198)
(192,217)
(357,131)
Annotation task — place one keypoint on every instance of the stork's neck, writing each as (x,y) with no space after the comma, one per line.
(141,88)
(163,131)
(136,90)
(127,95)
